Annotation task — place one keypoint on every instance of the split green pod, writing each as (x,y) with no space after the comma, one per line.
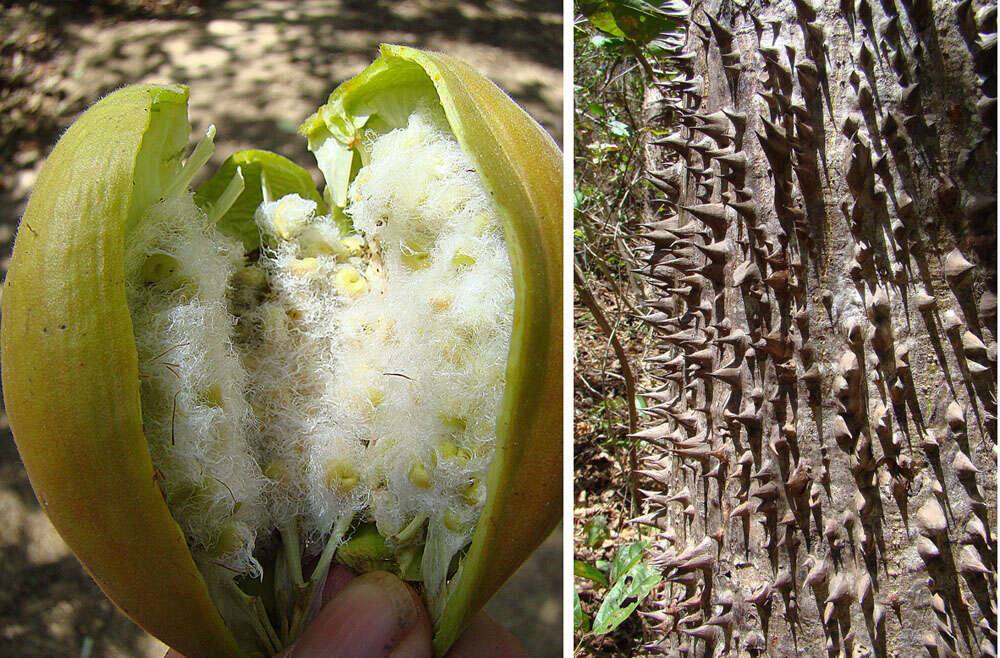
(71,371)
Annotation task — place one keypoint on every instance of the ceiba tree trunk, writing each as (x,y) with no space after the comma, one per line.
(821,261)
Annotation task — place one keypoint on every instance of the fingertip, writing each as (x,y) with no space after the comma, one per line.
(375,614)
(418,642)
(336,580)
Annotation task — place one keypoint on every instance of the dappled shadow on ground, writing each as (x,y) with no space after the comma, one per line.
(256,69)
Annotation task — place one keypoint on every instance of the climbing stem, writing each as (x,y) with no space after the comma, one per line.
(259,619)
(306,597)
(336,537)
(293,552)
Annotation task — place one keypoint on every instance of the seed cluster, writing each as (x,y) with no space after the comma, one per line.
(357,375)
(192,380)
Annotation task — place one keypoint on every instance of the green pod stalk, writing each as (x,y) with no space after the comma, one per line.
(70,365)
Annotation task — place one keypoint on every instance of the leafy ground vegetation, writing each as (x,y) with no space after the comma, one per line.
(614,45)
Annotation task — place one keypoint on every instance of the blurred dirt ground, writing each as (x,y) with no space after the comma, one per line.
(256,68)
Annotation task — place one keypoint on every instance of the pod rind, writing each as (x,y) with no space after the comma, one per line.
(70,368)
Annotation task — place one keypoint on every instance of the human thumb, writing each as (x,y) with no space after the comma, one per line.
(375,614)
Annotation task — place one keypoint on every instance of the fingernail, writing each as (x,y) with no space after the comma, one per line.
(372,616)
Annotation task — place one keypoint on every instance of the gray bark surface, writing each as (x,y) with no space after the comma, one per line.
(824,298)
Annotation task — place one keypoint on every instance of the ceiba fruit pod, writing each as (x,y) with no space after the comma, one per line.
(71,373)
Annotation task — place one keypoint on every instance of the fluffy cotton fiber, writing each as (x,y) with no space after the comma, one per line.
(336,375)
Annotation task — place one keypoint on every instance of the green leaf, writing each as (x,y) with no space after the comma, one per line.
(596,530)
(620,129)
(591,573)
(609,46)
(600,16)
(581,623)
(280,175)
(625,596)
(605,147)
(637,20)
(597,109)
(626,558)
(604,41)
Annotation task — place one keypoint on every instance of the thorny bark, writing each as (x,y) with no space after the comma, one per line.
(826,317)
